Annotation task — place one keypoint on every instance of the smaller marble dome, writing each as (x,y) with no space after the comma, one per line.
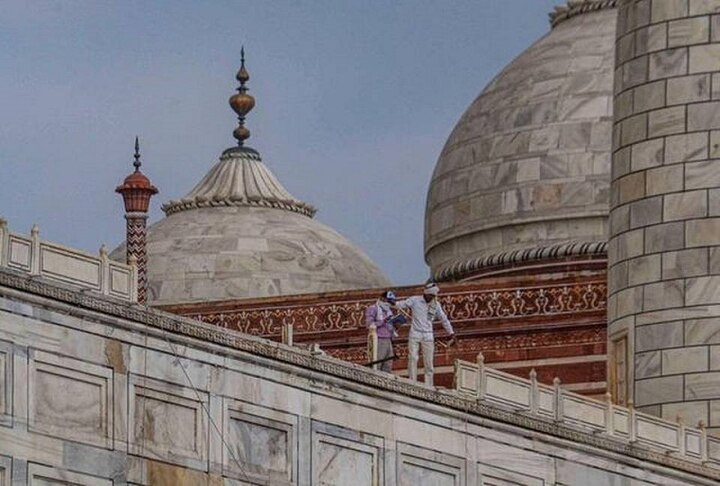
(240,234)
(525,172)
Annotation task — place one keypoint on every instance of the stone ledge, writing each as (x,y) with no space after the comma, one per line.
(578,7)
(463,268)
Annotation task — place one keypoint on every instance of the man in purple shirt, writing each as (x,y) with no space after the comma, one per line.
(379,316)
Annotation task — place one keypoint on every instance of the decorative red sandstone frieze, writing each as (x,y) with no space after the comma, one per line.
(555,325)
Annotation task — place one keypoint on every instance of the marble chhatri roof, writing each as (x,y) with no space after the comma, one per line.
(240,178)
(240,234)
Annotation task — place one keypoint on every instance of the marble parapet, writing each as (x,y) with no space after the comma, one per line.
(58,263)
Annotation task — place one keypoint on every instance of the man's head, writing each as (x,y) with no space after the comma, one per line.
(431,291)
(388,296)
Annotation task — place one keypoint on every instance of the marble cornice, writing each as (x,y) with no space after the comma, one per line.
(574,8)
(458,269)
(17,286)
(196,203)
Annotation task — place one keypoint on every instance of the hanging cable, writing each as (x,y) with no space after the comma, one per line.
(178,359)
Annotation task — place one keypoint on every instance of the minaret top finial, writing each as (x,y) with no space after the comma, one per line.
(136,189)
(137,162)
(242,75)
(242,103)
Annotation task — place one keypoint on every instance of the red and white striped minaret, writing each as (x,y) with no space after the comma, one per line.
(136,191)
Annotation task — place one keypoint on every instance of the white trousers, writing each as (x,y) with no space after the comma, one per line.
(428,351)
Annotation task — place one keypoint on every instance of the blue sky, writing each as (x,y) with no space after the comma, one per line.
(355,100)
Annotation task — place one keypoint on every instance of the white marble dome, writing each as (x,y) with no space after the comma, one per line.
(240,234)
(526,169)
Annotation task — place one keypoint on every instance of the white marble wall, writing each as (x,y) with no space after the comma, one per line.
(98,393)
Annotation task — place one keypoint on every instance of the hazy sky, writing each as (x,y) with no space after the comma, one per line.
(355,100)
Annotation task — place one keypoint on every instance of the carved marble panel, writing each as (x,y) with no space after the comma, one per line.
(20,253)
(6,383)
(119,280)
(489,475)
(5,470)
(40,475)
(341,457)
(168,422)
(417,466)
(69,398)
(261,443)
(70,266)
(572,473)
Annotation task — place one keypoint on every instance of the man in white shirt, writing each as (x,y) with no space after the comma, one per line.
(425,310)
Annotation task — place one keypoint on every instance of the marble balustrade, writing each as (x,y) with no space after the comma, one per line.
(98,273)
(625,424)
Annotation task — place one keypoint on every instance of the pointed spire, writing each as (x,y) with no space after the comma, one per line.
(136,189)
(137,162)
(242,103)
(242,75)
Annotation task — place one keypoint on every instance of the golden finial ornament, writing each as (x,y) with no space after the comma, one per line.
(241,102)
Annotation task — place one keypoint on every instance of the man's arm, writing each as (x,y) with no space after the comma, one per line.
(403,304)
(445,321)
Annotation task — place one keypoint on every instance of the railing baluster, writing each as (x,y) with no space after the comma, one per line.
(609,415)
(681,435)
(703,442)
(558,400)
(482,382)
(35,250)
(3,242)
(287,334)
(632,421)
(104,270)
(533,392)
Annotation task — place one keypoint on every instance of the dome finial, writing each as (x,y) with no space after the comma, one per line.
(242,103)
(137,162)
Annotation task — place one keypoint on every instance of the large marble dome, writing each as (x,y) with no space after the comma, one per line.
(525,172)
(240,234)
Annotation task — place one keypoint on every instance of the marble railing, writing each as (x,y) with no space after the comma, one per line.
(527,396)
(31,255)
